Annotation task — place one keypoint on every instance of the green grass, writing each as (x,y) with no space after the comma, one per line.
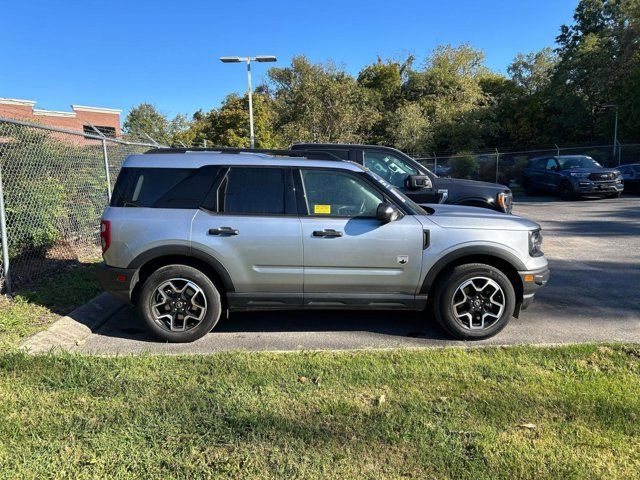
(442,413)
(30,311)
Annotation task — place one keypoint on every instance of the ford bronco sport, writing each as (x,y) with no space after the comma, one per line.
(190,235)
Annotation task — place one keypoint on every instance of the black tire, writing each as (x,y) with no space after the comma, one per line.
(529,189)
(566,191)
(208,289)
(613,195)
(446,290)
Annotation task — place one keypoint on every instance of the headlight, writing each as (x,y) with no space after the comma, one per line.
(535,243)
(505,200)
(580,174)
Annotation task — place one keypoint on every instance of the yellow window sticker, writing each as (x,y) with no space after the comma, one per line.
(325,209)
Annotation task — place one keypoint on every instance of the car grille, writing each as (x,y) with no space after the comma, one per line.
(599,177)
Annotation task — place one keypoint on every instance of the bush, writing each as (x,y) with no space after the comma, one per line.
(463,165)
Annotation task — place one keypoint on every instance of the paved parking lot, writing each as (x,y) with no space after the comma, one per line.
(593,247)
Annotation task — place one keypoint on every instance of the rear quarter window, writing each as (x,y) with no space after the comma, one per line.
(163,187)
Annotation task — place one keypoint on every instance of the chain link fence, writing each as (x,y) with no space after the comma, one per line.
(506,167)
(55,184)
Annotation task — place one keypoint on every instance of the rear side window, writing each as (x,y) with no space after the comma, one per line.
(163,187)
(258,191)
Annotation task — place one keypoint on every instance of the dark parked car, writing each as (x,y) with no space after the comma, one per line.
(631,176)
(415,180)
(571,176)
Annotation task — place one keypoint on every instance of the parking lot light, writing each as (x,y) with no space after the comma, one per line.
(258,58)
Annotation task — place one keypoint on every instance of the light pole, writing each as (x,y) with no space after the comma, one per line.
(259,58)
(615,129)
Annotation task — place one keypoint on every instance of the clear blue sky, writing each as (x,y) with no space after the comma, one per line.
(118,54)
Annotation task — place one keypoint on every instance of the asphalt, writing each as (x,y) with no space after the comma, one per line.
(593,247)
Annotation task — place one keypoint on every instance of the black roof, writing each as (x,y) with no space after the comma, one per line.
(310,154)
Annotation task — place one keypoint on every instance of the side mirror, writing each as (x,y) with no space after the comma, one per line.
(387,213)
(416,182)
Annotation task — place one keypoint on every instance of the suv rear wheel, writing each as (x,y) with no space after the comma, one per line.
(474,301)
(179,303)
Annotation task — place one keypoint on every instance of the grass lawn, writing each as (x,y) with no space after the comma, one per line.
(30,311)
(517,412)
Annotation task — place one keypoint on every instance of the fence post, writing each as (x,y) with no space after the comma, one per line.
(497,162)
(106,168)
(557,149)
(5,242)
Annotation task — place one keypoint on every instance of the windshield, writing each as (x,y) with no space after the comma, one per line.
(567,163)
(406,201)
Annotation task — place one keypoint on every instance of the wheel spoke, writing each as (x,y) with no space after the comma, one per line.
(478,303)
(178,305)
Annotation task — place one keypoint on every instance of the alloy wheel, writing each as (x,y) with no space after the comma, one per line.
(478,303)
(178,305)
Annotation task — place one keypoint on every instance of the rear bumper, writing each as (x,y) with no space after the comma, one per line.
(532,282)
(119,282)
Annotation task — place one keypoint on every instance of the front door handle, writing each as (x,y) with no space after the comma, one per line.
(223,231)
(327,233)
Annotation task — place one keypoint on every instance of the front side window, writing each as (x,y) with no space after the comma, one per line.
(259,191)
(393,169)
(338,194)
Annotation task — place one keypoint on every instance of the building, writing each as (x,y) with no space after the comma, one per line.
(80,118)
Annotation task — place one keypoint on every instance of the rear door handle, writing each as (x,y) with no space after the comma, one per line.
(223,231)
(327,233)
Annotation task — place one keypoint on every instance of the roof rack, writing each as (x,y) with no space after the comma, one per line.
(310,154)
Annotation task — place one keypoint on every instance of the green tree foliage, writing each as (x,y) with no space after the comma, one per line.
(450,102)
(463,165)
(145,120)
(319,103)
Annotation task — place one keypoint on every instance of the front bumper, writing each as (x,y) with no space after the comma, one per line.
(589,187)
(119,282)
(532,281)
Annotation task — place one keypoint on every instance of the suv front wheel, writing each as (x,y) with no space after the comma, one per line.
(179,303)
(474,301)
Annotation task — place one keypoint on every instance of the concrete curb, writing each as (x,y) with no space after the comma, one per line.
(71,331)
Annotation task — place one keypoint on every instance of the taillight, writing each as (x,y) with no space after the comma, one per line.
(105,234)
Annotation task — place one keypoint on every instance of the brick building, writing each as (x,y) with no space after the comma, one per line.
(80,118)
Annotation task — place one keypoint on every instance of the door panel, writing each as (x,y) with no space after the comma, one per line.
(369,257)
(264,256)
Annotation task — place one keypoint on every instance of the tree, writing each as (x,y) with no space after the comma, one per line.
(319,103)
(533,72)
(145,120)
(463,165)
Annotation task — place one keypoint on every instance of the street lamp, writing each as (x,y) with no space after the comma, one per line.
(615,129)
(259,58)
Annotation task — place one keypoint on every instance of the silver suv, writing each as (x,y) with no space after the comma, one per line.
(190,234)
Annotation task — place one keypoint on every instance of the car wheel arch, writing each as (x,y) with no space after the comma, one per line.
(503,261)
(149,261)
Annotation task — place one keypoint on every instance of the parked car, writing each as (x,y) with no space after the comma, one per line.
(631,176)
(190,235)
(415,180)
(571,176)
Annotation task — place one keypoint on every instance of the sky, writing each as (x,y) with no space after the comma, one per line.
(118,54)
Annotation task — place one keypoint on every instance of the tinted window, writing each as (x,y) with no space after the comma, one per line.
(162,187)
(338,194)
(393,169)
(253,190)
(551,164)
(577,162)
